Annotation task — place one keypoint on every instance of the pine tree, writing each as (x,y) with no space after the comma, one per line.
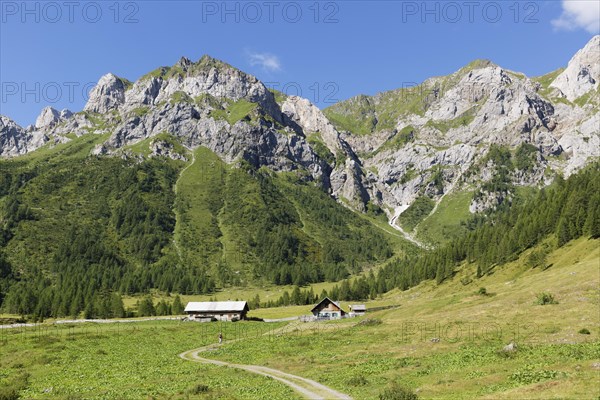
(116,305)
(146,307)
(177,307)
(162,308)
(255,302)
(562,232)
(296,296)
(285,298)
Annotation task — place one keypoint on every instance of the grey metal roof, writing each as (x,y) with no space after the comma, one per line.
(215,306)
(358,307)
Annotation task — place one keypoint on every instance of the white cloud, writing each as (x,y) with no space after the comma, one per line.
(579,14)
(268,62)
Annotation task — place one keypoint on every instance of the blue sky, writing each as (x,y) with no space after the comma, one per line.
(52,52)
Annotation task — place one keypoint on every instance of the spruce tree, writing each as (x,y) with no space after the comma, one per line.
(177,306)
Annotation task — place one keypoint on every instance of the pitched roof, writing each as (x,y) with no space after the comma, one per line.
(358,307)
(327,299)
(216,306)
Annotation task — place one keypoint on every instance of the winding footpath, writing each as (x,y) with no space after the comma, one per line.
(306,387)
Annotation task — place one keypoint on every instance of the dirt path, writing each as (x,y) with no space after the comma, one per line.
(306,387)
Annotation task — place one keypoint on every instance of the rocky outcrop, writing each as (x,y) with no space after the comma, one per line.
(16,141)
(582,75)
(161,148)
(206,77)
(13,138)
(390,149)
(48,117)
(107,95)
(311,119)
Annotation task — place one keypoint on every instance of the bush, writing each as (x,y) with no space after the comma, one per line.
(482,291)
(546,298)
(11,390)
(397,392)
(357,380)
(466,280)
(9,393)
(529,374)
(584,331)
(198,389)
(538,258)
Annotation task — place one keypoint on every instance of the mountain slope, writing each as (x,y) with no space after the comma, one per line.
(197,175)
(75,228)
(444,135)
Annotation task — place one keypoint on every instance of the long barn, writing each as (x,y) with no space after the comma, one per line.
(220,310)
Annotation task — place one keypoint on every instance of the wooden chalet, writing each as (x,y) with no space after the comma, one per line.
(328,309)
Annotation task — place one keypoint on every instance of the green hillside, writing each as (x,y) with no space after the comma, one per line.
(76,229)
(446,341)
(257,226)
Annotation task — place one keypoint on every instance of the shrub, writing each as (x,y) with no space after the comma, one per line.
(9,393)
(538,258)
(198,389)
(546,298)
(466,280)
(11,390)
(397,392)
(357,380)
(584,331)
(529,374)
(482,291)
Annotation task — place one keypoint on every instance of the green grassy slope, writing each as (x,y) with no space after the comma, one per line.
(135,361)
(256,226)
(75,227)
(553,360)
(446,222)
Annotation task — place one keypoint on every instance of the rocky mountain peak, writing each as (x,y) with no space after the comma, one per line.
(107,95)
(49,116)
(583,72)
(184,63)
(386,149)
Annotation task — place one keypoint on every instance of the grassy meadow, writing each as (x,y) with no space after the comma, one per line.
(555,357)
(136,360)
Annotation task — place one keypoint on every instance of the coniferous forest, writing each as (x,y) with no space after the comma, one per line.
(566,210)
(78,233)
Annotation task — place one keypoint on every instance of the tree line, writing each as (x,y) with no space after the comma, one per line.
(566,210)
